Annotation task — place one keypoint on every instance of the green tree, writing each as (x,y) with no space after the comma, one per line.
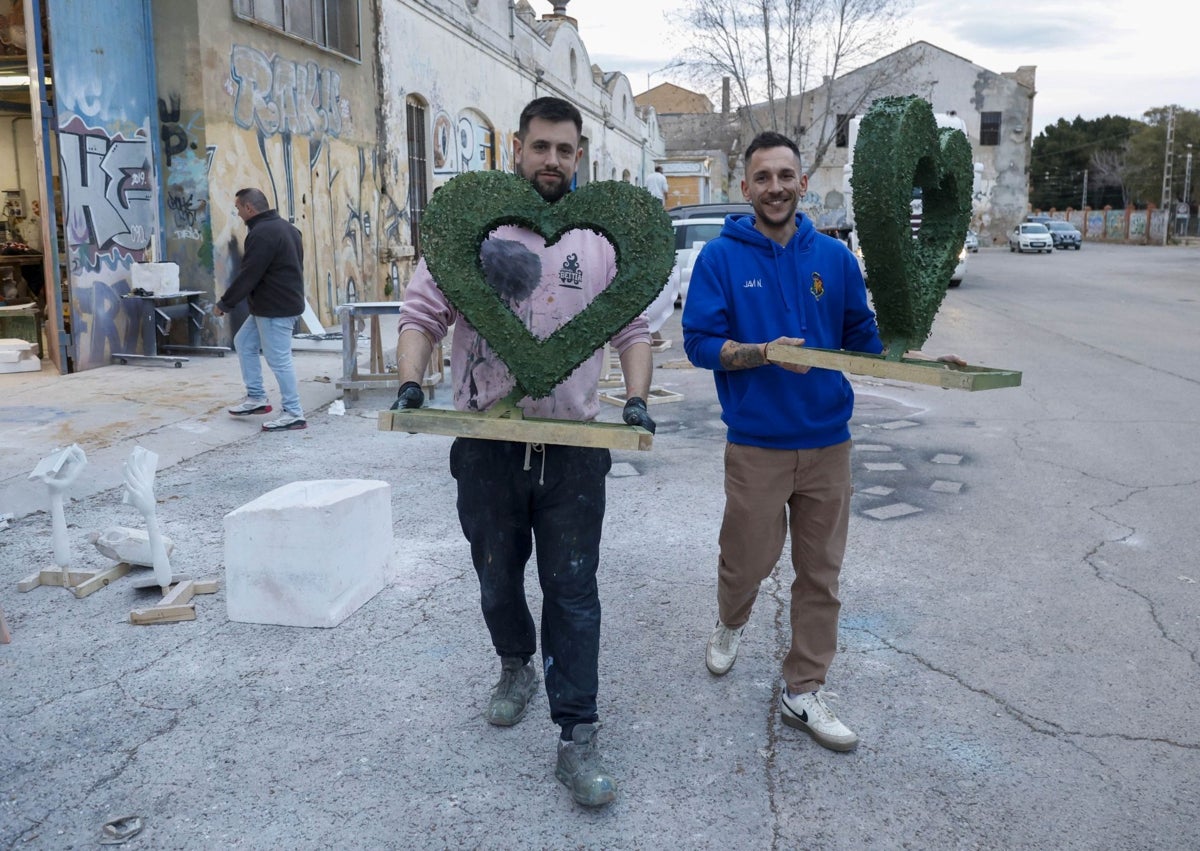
(1123,158)
(1068,154)
(1148,151)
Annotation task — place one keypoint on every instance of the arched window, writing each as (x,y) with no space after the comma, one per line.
(476,143)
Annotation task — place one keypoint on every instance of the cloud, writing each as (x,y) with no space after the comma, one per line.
(1020,25)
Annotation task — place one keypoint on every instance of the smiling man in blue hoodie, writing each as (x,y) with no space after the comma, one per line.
(771,277)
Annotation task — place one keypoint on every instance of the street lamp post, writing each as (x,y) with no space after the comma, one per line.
(1187,188)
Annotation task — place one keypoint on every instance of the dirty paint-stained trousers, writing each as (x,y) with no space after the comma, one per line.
(557,505)
(769,492)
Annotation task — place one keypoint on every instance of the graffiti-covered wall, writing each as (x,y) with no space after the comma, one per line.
(242,105)
(103,123)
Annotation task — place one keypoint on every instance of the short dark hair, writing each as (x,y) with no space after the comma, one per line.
(549,109)
(254,199)
(658,168)
(771,139)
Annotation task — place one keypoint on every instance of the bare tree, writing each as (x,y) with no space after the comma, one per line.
(770,48)
(726,44)
(1111,167)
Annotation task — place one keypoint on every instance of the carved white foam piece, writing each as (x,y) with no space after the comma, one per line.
(59,470)
(139,492)
(131,546)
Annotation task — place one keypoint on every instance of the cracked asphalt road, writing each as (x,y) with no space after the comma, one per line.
(1018,650)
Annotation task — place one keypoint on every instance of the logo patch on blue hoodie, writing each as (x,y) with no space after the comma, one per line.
(818,287)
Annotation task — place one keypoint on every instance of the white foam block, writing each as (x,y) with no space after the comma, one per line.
(158,278)
(18,356)
(308,553)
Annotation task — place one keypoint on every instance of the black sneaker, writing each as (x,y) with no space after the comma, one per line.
(510,698)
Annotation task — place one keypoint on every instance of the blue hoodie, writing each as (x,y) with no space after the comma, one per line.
(749,289)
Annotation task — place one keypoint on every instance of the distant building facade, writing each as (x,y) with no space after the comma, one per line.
(996,108)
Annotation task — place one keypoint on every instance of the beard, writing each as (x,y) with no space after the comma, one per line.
(548,187)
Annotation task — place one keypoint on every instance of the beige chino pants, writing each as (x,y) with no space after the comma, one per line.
(769,492)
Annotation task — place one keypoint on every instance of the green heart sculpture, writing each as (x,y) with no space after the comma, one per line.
(900,147)
(466,209)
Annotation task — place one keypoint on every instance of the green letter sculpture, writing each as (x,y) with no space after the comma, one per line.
(900,147)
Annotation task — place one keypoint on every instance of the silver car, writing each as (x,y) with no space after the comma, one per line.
(1064,234)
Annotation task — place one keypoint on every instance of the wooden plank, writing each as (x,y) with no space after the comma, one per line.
(657,395)
(30,582)
(376,347)
(176,605)
(54,576)
(178,595)
(525,430)
(163,614)
(936,373)
(364,380)
(98,580)
(207,586)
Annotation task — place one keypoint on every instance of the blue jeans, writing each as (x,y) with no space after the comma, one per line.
(559,504)
(273,335)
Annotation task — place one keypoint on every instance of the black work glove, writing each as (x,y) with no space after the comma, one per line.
(410,396)
(635,414)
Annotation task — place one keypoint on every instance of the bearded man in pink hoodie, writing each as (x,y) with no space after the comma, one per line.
(513,496)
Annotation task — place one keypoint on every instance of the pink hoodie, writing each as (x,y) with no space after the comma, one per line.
(564,277)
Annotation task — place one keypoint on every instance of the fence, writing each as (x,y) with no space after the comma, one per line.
(1129,225)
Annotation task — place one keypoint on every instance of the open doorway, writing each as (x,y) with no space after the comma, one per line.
(30,230)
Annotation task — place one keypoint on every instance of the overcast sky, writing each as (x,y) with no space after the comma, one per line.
(1093,57)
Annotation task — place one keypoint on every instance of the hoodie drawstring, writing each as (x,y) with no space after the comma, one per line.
(536,447)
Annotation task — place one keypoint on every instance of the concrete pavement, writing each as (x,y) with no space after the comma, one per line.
(178,413)
(1018,678)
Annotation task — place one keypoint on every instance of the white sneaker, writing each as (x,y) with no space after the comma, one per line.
(251,406)
(809,713)
(723,648)
(287,422)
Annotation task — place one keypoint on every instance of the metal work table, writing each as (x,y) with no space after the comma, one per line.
(377,376)
(158,311)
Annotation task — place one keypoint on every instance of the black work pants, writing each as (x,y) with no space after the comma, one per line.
(510,498)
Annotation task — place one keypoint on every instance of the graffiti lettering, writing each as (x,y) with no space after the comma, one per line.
(99,306)
(279,96)
(184,207)
(106,182)
(174,137)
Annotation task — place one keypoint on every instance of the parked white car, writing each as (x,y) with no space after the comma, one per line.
(1030,236)
(960,268)
(690,237)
